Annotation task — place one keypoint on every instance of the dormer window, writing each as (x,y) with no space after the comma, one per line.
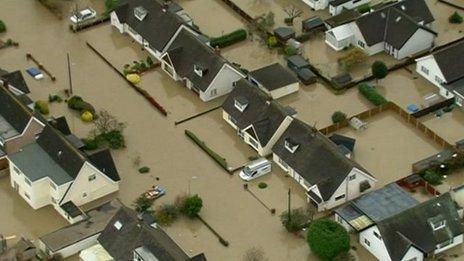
(118,225)
(291,146)
(140,13)
(199,70)
(437,222)
(241,103)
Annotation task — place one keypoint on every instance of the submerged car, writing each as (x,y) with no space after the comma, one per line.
(256,169)
(83,15)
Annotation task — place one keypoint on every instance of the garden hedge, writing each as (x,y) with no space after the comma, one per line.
(371,94)
(2,27)
(216,157)
(229,39)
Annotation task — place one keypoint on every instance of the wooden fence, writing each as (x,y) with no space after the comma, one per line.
(433,108)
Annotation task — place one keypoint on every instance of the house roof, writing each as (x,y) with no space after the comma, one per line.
(13,111)
(273,76)
(284,33)
(187,51)
(316,159)
(451,67)
(103,161)
(16,80)
(412,227)
(157,27)
(347,142)
(395,23)
(136,234)
(344,17)
(312,23)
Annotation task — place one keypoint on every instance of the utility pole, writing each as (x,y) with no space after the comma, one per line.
(69,74)
(289,197)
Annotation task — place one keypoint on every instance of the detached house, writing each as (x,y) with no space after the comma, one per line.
(258,121)
(51,171)
(400,29)
(190,60)
(445,69)
(316,163)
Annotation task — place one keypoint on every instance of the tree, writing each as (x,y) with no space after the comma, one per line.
(292,13)
(338,116)
(327,239)
(254,254)
(108,130)
(142,204)
(379,70)
(2,27)
(192,206)
(297,220)
(433,177)
(110,5)
(455,18)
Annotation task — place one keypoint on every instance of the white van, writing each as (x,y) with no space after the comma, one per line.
(256,169)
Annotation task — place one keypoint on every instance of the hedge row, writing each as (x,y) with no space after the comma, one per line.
(216,157)
(371,94)
(229,39)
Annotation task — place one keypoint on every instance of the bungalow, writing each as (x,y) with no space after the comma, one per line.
(14,81)
(128,237)
(258,121)
(329,177)
(445,71)
(419,232)
(400,29)
(275,80)
(337,6)
(151,23)
(51,171)
(199,66)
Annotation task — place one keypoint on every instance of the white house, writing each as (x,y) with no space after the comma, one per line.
(257,120)
(52,172)
(400,29)
(445,71)
(421,231)
(316,163)
(337,6)
(275,80)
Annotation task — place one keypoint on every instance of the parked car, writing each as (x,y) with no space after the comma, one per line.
(155,192)
(83,15)
(256,169)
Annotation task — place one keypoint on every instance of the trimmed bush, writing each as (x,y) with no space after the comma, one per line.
(2,27)
(455,18)
(379,70)
(144,170)
(299,219)
(327,239)
(143,204)
(303,37)
(90,144)
(433,177)
(262,185)
(78,104)
(364,8)
(73,100)
(87,116)
(133,78)
(371,94)
(192,206)
(272,41)
(54,98)
(166,214)
(42,107)
(229,39)
(220,160)
(290,50)
(338,116)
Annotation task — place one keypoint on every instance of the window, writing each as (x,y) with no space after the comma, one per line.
(424,70)
(92,177)
(438,79)
(439,224)
(28,182)
(213,92)
(340,197)
(377,235)
(52,185)
(352,177)
(17,170)
(367,242)
(444,244)
(360,43)
(253,143)
(118,225)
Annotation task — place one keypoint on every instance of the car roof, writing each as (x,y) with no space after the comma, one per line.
(257,163)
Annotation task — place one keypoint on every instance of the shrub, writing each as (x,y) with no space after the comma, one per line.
(364,8)
(90,144)
(54,98)
(220,160)
(108,130)
(327,239)
(114,138)
(110,5)
(455,18)
(272,41)
(133,78)
(78,104)
(87,116)
(290,50)
(338,116)
(299,219)
(303,37)
(229,39)
(2,27)
(353,57)
(262,185)
(166,214)
(144,170)
(73,100)
(192,206)
(149,61)
(371,94)
(142,204)
(42,107)
(379,70)
(433,177)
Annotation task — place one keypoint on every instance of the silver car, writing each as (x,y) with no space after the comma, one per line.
(83,15)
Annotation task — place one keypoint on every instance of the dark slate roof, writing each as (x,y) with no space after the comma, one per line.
(263,115)
(347,142)
(104,162)
(411,227)
(451,67)
(16,80)
(284,33)
(298,61)
(66,156)
(338,2)
(344,17)
(317,159)
(157,27)
(186,51)
(273,76)
(456,86)
(395,23)
(312,23)
(135,233)
(25,99)
(61,124)
(11,109)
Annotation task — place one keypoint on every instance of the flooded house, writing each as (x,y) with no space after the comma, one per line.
(336,7)
(328,176)
(401,29)
(258,121)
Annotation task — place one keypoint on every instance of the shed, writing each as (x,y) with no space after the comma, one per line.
(312,24)
(306,76)
(342,80)
(275,80)
(296,62)
(283,34)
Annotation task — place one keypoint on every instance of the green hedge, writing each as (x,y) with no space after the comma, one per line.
(229,39)
(220,160)
(2,27)
(303,37)
(78,104)
(364,8)
(371,94)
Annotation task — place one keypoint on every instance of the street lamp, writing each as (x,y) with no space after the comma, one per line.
(189,181)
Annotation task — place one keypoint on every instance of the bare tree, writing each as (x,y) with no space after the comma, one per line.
(105,122)
(292,13)
(254,254)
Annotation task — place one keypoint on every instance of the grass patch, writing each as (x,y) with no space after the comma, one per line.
(216,157)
